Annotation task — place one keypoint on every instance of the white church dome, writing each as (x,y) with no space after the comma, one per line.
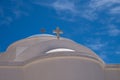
(44,57)
(44,46)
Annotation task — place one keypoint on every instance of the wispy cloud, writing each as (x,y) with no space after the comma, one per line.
(19,13)
(109,7)
(12,11)
(6,21)
(103,3)
(113,30)
(115,10)
(89,9)
(65,6)
(96,44)
(97,5)
(118,52)
(110,30)
(65,9)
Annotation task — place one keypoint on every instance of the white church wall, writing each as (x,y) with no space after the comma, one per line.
(112,72)
(11,73)
(64,68)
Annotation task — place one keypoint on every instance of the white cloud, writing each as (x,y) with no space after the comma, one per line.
(99,4)
(115,10)
(109,30)
(113,30)
(65,6)
(6,21)
(109,4)
(118,52)
(88,10)
(19,13)
(12,11)
(96,44)
(95,7)
(65,9)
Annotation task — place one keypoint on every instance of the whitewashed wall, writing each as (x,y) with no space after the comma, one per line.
(67,68)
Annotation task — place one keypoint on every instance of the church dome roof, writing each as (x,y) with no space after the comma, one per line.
(45,45)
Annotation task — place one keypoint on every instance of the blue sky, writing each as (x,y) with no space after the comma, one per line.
(93,23)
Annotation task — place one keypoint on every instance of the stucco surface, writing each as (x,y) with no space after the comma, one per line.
(28,59)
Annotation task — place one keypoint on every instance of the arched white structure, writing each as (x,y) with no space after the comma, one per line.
(43,57)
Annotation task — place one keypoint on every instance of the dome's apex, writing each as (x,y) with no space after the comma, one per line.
(41,35)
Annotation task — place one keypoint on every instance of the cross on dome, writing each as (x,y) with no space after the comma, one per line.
(58,32)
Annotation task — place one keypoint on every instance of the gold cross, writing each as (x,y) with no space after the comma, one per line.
(58,32)
(42,30)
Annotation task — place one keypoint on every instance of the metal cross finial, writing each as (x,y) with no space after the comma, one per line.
(58,32)
(42,30)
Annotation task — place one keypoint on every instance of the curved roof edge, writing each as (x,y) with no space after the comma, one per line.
(53,55)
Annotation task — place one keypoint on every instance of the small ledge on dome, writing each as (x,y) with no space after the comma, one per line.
(60,50)
(41,35)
